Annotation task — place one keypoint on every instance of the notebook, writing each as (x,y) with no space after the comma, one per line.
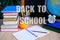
(52,29)
(28,34)
(55,25)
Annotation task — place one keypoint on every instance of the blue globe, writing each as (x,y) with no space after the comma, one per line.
(53,6)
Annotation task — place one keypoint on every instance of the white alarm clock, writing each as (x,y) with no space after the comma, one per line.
(51,19)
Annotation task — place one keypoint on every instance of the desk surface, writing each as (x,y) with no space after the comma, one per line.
(51,36)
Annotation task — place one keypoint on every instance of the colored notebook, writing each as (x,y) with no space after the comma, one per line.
(56,24)
(28,34)
(52,29)
(9,9)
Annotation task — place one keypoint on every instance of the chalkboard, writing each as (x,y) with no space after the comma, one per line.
(35,3)
(4,3)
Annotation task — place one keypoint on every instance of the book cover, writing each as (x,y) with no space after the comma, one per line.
(9,9)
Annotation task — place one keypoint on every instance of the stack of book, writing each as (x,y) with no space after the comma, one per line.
(10,19)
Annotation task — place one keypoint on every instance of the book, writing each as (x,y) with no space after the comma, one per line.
(9,19)
(10,22)
(52,29)
(7,22)
(56,24)
(10,14)
(9,26)
(9,30)
(28,34)
(9,9)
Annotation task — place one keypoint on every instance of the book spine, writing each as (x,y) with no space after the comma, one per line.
(9,26)
(10,23)
(10,13)
(9,30)
(9,19)
(9,16)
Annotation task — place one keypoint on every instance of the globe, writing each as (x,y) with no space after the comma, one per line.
(53,6)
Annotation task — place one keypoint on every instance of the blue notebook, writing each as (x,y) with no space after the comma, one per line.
(55,25)
(9,9)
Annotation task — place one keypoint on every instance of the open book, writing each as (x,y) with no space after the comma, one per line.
(31,33)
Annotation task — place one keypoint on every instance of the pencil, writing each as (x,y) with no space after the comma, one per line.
(38,31)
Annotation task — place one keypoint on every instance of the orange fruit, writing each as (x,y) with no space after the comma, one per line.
(22,26)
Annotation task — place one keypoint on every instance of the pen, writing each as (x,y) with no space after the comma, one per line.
(38,31)
(31,33)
